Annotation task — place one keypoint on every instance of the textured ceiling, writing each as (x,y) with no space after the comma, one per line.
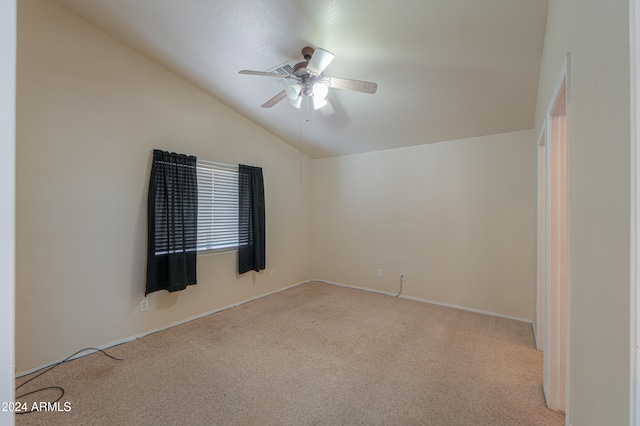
(446,69)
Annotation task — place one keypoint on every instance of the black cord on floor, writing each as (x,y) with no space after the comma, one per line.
(56,387)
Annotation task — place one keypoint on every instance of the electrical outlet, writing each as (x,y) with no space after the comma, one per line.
(144,305)
(379,273)
(272,273)
(402,276)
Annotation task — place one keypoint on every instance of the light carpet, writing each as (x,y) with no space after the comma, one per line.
(316,354)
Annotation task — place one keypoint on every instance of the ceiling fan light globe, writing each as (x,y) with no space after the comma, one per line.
(319,60)
(296,102)
(293,91)
(318,102)
(320,90)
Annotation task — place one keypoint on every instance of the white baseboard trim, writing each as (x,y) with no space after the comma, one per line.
(370,290)
(156,330)
(418,299)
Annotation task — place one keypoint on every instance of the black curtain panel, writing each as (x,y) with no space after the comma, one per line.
(172,222)
(251,214)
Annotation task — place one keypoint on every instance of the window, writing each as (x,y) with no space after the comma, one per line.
(217,206)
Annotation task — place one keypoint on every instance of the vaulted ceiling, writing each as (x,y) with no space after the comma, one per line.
(445,69)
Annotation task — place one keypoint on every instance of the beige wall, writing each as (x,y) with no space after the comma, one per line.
(596,34)
(457,217)
(90,112)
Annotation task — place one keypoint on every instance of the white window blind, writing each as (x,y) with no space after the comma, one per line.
(217,206)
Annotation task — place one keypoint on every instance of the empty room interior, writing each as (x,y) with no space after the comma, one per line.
(465,178)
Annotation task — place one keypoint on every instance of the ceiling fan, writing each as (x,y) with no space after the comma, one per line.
(308,81)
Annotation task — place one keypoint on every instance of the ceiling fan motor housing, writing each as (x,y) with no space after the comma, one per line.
(306,78)
(300,69)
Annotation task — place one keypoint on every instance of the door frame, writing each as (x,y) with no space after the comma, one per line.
(557,251)
(634,249)
(8,35)
(539,330)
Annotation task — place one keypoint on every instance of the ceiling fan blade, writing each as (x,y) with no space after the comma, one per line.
(328,109)
(277,98)
(267,74)
(320,60)
(347,84)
